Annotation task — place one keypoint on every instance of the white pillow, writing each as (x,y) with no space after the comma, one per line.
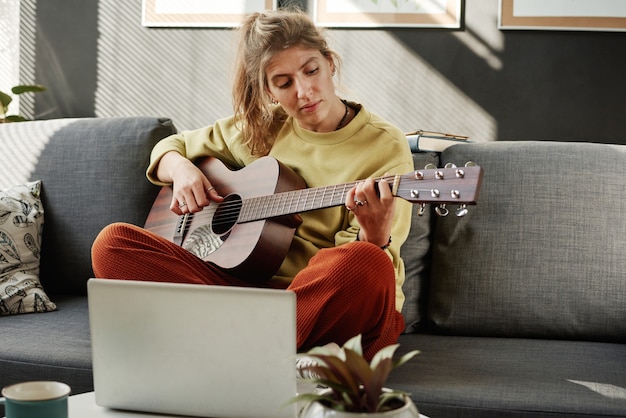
(21,226)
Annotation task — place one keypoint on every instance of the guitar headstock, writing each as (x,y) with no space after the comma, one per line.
(442,186)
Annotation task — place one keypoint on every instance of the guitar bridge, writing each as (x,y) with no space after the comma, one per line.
(181,228)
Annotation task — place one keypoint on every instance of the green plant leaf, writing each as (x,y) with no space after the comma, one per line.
(384,353)
(362,373)
(379,376)
(326,377)
(358,366)
(338,372)
(355,344)
(5,99)
(387,397)
(16,118)
(28,88)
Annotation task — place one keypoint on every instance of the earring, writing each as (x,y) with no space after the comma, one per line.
(274,101)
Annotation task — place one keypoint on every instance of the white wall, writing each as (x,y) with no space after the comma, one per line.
(9,48)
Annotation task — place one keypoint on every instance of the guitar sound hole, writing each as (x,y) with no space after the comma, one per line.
(226,214)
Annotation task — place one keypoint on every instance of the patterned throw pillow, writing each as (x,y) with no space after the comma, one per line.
(21,225)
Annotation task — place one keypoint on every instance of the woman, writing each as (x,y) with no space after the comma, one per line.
(342,264)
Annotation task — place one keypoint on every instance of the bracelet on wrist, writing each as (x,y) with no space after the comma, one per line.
(384,247)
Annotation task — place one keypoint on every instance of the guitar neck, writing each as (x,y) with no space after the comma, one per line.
(438,186)
(295,201)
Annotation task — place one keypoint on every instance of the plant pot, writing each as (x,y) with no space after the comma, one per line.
(319,410)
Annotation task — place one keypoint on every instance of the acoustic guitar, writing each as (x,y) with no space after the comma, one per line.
(250,232)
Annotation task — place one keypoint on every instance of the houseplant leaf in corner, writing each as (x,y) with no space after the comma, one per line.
(6,99)
(28,88)
(354,385)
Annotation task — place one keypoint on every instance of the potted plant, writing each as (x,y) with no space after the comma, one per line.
(6,99)
(354,386)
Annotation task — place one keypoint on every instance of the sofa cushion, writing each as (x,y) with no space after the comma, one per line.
(93,173)
(54,346)
(415,253)
(542,254)
(456,376)
(21,225)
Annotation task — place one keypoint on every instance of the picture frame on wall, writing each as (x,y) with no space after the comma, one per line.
(581,15)
(387,13)
(192,13)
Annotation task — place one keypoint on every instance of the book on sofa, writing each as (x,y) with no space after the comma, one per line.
(430,141)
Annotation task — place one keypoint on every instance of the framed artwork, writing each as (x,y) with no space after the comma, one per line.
(598,15)
(387,13)
(198,13)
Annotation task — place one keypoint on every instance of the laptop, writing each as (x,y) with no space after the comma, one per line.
(195,350)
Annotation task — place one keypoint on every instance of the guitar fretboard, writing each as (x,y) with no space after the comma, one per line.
(295,201)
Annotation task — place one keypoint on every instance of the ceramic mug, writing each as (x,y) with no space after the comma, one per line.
(35,399)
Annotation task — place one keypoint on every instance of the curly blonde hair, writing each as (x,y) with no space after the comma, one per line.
(262,36)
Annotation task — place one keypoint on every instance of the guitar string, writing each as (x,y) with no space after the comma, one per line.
(231,214)
(296,200)
(230,210)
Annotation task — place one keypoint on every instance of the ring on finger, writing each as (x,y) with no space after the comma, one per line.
(361,202)
(351,209)
(182,204)
(209,189)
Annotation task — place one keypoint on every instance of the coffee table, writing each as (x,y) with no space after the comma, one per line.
(84,405)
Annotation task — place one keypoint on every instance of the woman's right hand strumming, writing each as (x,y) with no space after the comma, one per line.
(192,191)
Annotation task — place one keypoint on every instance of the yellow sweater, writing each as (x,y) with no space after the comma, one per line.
(367,147)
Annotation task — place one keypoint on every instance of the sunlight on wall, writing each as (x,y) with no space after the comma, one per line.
(27,64)
(9,48)
(395,83)
(20,157)
(486,41)
(181,74)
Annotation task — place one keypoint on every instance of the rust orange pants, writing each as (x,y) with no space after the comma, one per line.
(344,291)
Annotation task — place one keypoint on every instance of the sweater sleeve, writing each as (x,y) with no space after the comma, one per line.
(220,140)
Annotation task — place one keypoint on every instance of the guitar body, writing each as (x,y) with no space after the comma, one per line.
(250,250)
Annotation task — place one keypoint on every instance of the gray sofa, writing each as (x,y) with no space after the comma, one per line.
(518,308)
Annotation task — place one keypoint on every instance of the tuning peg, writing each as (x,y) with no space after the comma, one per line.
(422,209)
(450,165)
(430,166)
(441,210)
(462,211)
(470,164)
